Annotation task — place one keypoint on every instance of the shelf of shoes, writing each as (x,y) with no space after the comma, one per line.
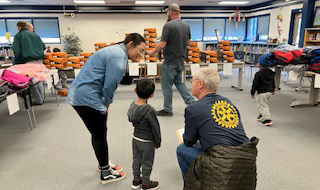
(84,56)
(150,35)
(194,53)
(59,60)
(74,62)
(225,49)
(100,45)
(210,56)
(47,60)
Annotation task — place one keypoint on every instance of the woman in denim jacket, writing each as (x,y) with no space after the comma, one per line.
(92,92)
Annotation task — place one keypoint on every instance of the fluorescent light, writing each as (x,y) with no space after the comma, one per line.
(149,2)
(89,2)
(233,2)
(4,1)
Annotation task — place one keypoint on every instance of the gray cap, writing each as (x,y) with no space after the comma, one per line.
(173,7)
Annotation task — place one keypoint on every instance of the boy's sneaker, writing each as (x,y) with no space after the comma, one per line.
(110,175)
(260,118)
(267,122)
(113,166)
(136,183)
(164,113)
(151,185)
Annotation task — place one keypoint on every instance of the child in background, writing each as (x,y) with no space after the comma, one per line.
(146,136)
(264,84)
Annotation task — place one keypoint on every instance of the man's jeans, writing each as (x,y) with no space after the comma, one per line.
(186,155)
(172,74)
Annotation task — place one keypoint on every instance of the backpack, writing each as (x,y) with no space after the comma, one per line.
(315,67)
(4,90)
(16,80)
(284,58)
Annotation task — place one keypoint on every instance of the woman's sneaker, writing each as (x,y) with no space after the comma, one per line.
(113,166)
(267,122)
(151,185)
(110,175)
(136,183)
(260,118)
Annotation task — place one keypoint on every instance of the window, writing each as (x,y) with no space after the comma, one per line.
(3,31)
(252,29)
(296,29)
(234,33)
(196,29)
(12,25)
(263,27)
(210,25)
(47,29)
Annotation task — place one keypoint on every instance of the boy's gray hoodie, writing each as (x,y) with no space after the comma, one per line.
(145,122)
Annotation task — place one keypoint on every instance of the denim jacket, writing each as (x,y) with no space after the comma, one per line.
(99,78)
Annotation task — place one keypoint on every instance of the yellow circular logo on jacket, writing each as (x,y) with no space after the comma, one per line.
(225,114)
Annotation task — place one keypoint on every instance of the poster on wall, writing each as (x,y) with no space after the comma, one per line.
(316,20)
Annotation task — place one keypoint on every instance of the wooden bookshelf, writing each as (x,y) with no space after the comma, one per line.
(311,37)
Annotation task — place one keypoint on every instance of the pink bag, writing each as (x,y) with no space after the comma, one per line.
(17,80)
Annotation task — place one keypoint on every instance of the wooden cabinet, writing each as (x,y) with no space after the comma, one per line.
(311,37)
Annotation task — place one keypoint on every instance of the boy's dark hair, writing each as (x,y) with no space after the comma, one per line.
(145,88)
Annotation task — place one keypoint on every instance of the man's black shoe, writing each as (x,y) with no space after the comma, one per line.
(164,113)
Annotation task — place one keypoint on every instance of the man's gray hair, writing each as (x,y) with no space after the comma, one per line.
(29,25)
(210,77)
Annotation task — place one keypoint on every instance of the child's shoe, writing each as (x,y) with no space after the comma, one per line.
(136,183)
(109,175)
(151,185)
(267,122)
(260,118)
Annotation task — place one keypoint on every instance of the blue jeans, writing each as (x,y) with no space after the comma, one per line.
(186,155)
(172,74)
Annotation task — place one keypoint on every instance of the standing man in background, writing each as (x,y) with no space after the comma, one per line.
(27,46)
(174,40)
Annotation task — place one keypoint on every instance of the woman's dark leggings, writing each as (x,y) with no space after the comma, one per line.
(96,122)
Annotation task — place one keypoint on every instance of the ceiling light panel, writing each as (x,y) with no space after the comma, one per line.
(89,2)
(233,2)
(149,2)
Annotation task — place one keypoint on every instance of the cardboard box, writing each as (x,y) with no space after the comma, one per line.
(63,92)
(194,60)
(150,30)
(193,54)
(212,60)
(194,49)
(228,53)
(59,54)
(86,54)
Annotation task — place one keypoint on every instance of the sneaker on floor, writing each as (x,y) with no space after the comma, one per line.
(113,166)
(151,185)
(267,122)
(164,113)
(260,118)
(110,175)
(136,183)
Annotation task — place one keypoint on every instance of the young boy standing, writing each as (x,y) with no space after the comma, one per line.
(146,136)
(264,84)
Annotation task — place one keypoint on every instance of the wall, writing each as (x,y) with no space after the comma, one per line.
(285,24)
(93,28)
